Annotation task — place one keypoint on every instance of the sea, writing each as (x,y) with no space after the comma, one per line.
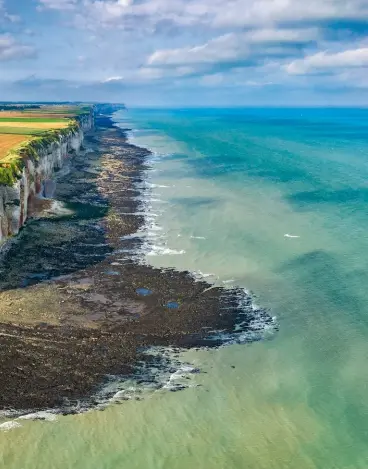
(274,201)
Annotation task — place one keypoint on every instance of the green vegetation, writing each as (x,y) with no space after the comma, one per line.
(21,131)
(13,162)
(30,119)
(71,110)
(18,107)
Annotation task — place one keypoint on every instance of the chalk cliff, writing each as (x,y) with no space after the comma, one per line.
(37,167)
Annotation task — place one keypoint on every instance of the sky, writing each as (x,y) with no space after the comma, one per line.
(186,52)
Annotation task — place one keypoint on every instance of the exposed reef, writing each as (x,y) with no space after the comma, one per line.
(77,309)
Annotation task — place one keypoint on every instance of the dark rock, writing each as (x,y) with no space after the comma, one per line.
(49,366)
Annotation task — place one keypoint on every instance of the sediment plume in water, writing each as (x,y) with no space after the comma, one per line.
(77,309)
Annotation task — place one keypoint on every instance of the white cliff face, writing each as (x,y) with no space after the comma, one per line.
(16,200)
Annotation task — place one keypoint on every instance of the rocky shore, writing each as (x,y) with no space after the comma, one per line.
(76,308)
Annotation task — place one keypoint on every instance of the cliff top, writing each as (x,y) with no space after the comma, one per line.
(24,128)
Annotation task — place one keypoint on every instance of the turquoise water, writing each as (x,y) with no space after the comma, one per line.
(273,200)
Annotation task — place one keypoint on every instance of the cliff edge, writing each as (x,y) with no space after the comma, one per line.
(26,168)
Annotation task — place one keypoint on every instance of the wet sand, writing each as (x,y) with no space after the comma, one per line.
(76,307)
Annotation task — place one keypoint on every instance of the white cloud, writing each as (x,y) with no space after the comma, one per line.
(324,61)
(11,49)
(113,79)
(58,4)
(106,11)
(281,35)
(221,49)
(249,12)
(204,42)
(7,17)
(12,18)
(234,47)
(357,77)
(147,74)
(133,76)
(213,13)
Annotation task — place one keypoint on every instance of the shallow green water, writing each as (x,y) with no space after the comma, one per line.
(242,180)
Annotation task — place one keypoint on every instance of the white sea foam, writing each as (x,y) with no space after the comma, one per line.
(157,250)
(136,235)
(156,228)
(159,201)
(11,425)
(290,236)
(137,214)
(42,415)
(200,274)
(248,331)
(156,235)
(152,236)
(154,186)
(179,379)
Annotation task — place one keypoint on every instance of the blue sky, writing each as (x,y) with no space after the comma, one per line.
(185,52)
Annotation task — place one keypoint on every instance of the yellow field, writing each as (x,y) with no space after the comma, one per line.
(34,125)
(7,142)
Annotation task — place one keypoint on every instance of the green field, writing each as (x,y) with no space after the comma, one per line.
(21,131)
(31,119)
(73,110)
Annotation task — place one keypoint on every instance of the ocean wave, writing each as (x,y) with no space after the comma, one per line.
(41,415)
(10,425)
(157,250)
(160,186)
(179,379)
(48,416)
(198,274)
(164,372)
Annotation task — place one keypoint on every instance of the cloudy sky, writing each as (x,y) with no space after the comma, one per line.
(185,52)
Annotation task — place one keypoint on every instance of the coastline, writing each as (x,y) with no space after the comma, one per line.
(27,169)
(93,312)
